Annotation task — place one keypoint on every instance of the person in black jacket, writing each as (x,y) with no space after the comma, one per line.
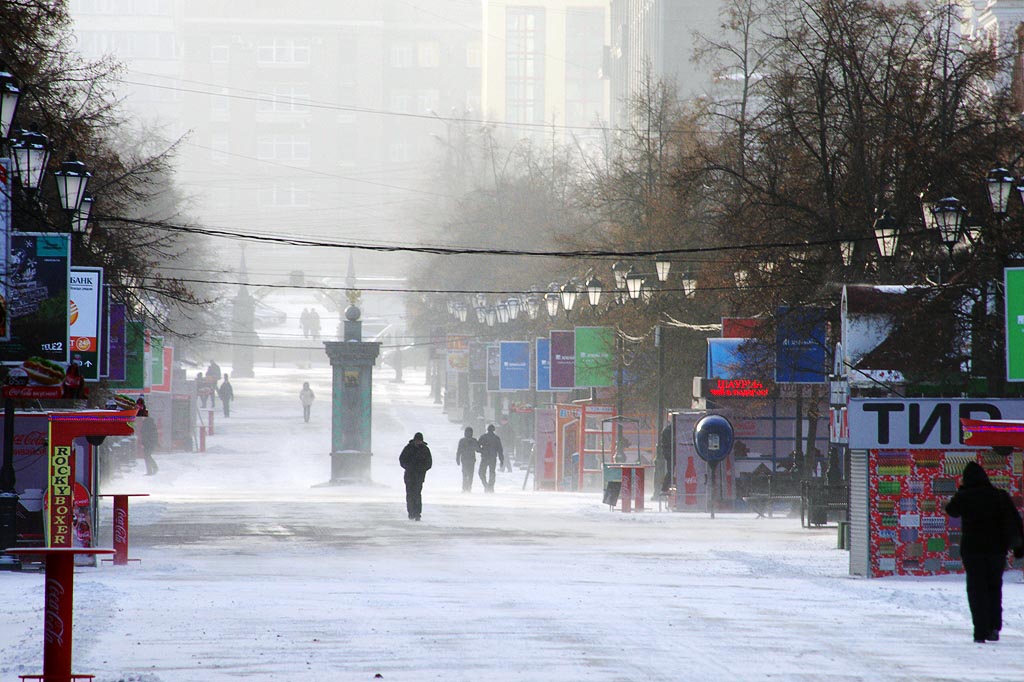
(988,514)
(465,455)
(490,449)
(416,461)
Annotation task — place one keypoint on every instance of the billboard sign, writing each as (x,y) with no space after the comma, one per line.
(85,321)
(493,367)
(514,372)
(37,312)
(5,246)
(595,357)
(920,423)
(543,351)
(477,362)
(1013,280)
(800,346)
(563,360)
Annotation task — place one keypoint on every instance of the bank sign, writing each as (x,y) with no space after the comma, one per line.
(921,424)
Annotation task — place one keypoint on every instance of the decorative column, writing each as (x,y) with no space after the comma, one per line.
(352,363)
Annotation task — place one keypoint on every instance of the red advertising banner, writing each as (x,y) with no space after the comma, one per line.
(740,327)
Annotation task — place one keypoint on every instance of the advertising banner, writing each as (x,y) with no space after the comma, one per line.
(457,351)
(910,424)
(514,373)
(741,327)
(543,351)
(727,359)
(595,357)
(116,339)
(38,271)
(5,245)
(477,362)
(134,358)
(1013,280)
(85,322)
(563,360)
(493,368)
(162,380)
(800,346)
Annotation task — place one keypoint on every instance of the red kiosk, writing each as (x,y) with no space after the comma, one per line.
(59,553)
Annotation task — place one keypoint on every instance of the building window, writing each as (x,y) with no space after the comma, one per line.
(401,101)
(220,149)
(474,56)
(584,54)
(427,100)
(219,54)
(286,99)
(401,56)
(524,65)
(283,51)
(220,105)
(429,55)
(290,148)
(285,196)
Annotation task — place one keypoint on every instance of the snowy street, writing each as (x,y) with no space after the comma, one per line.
(250,571)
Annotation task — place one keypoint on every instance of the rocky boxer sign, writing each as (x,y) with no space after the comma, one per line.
(931,423)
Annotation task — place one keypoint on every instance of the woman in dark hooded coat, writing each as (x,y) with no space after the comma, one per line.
(986,512)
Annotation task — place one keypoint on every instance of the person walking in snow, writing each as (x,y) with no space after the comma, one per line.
(490,450)
(227,394)
(465,455)
(416,461)
(148,438)
(306,397)
(989,521)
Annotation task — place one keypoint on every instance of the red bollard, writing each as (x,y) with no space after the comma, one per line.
(210,419)
(202,439)
(121,527)
(58,611)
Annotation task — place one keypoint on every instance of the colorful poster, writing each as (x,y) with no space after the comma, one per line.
(595,356)
(1013,280)
(116,340)
(741,327)
(477,362)
(457,352)
(514,372)
(162,381)
(85,322)
(731,359)
(38,271)
(135,369)
(543,359)
(5,252)
(563,360)
(493,367)
(800,346)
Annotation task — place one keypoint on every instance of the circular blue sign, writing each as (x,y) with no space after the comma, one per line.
(713,436)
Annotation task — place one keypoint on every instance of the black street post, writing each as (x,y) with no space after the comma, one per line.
(8,496)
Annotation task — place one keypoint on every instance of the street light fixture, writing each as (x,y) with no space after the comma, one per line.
(1000,184)
(532,306)
(514,306)
(551,301)
(568,293)
(846,247)
(620,270)
(594,289)
(72,179)
(460,311)
(490,315)
(949,216)
(662,266)
(634,280)
(31,151)
(9,97)
(887,234)
(689,283)
(80,218)
(501,310)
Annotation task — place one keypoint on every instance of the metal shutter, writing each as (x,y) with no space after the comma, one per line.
(860,546)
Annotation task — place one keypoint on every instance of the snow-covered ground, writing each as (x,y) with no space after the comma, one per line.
(250,571)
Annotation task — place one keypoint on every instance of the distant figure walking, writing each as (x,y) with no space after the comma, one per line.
(989,522)
(304,322)
(203,389)
(416,461)
(314,324)
(465,455)
(212,377)
(306,397)
(490,451)
(148,436)
(227,394)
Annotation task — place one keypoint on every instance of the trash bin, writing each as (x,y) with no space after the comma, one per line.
(611,493)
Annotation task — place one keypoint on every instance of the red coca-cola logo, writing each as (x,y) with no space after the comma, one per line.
(54,619)
(120,527)
(30,438)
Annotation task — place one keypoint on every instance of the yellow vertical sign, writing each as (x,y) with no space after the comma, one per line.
(61,496)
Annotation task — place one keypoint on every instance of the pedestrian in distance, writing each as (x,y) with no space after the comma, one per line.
(416,461)
(990,523)
(304,322)
(202,389)
(306,397)
(148,436)
(490,450)
(227,394)
(212,377)
(465,455)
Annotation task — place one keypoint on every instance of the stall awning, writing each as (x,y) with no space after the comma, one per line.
(993,433)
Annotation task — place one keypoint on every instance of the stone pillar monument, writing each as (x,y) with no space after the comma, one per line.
(352,363)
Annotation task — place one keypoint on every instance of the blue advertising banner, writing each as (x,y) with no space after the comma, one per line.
(725,359)
(515,366)
(38,272)
(543,364)
(800,346)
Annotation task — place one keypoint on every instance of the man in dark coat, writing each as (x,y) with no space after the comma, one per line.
(465,455)
(416,461)
(987,513)
(227,394)
(489,446)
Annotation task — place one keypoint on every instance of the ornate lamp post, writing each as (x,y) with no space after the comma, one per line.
(31,152)
(887,234)
(10,95)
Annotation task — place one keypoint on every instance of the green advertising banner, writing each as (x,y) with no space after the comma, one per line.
(595,357)
(134,358)
(1014,283)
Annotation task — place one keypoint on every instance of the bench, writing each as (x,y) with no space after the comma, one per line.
(763,504)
